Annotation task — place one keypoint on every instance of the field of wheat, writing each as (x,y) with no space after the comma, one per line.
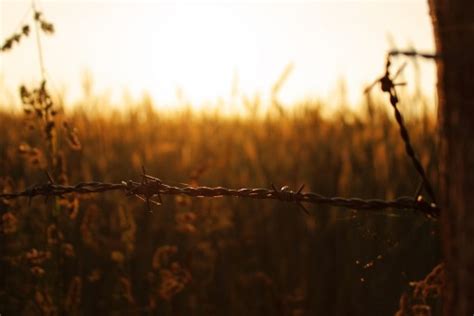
(107,254)
(118,254)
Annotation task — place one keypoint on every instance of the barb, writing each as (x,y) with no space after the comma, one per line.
(284,196)
(155,186)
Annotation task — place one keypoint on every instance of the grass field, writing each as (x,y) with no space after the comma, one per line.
(107,255)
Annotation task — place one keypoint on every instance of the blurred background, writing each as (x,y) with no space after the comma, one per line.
(236,94)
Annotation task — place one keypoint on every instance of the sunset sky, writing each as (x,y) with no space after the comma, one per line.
(213,49)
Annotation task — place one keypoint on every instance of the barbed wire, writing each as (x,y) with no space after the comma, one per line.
(388,86)
(152,188)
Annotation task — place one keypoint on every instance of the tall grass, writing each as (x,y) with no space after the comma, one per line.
(219,256)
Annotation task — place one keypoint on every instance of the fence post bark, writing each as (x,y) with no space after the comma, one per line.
(453,23)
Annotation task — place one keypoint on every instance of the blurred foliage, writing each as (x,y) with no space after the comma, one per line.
(107,255)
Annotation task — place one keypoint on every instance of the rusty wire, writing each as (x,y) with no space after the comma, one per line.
(154,187)
(151,187)
(388,86)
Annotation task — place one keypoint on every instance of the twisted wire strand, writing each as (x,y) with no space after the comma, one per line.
(155,187)
(409,148)
(389,87)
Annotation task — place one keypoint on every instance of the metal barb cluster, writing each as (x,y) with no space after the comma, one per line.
(154,187)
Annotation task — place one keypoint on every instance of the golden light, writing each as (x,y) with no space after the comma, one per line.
(216,50)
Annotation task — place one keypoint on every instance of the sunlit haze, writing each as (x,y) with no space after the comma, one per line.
(204,51)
